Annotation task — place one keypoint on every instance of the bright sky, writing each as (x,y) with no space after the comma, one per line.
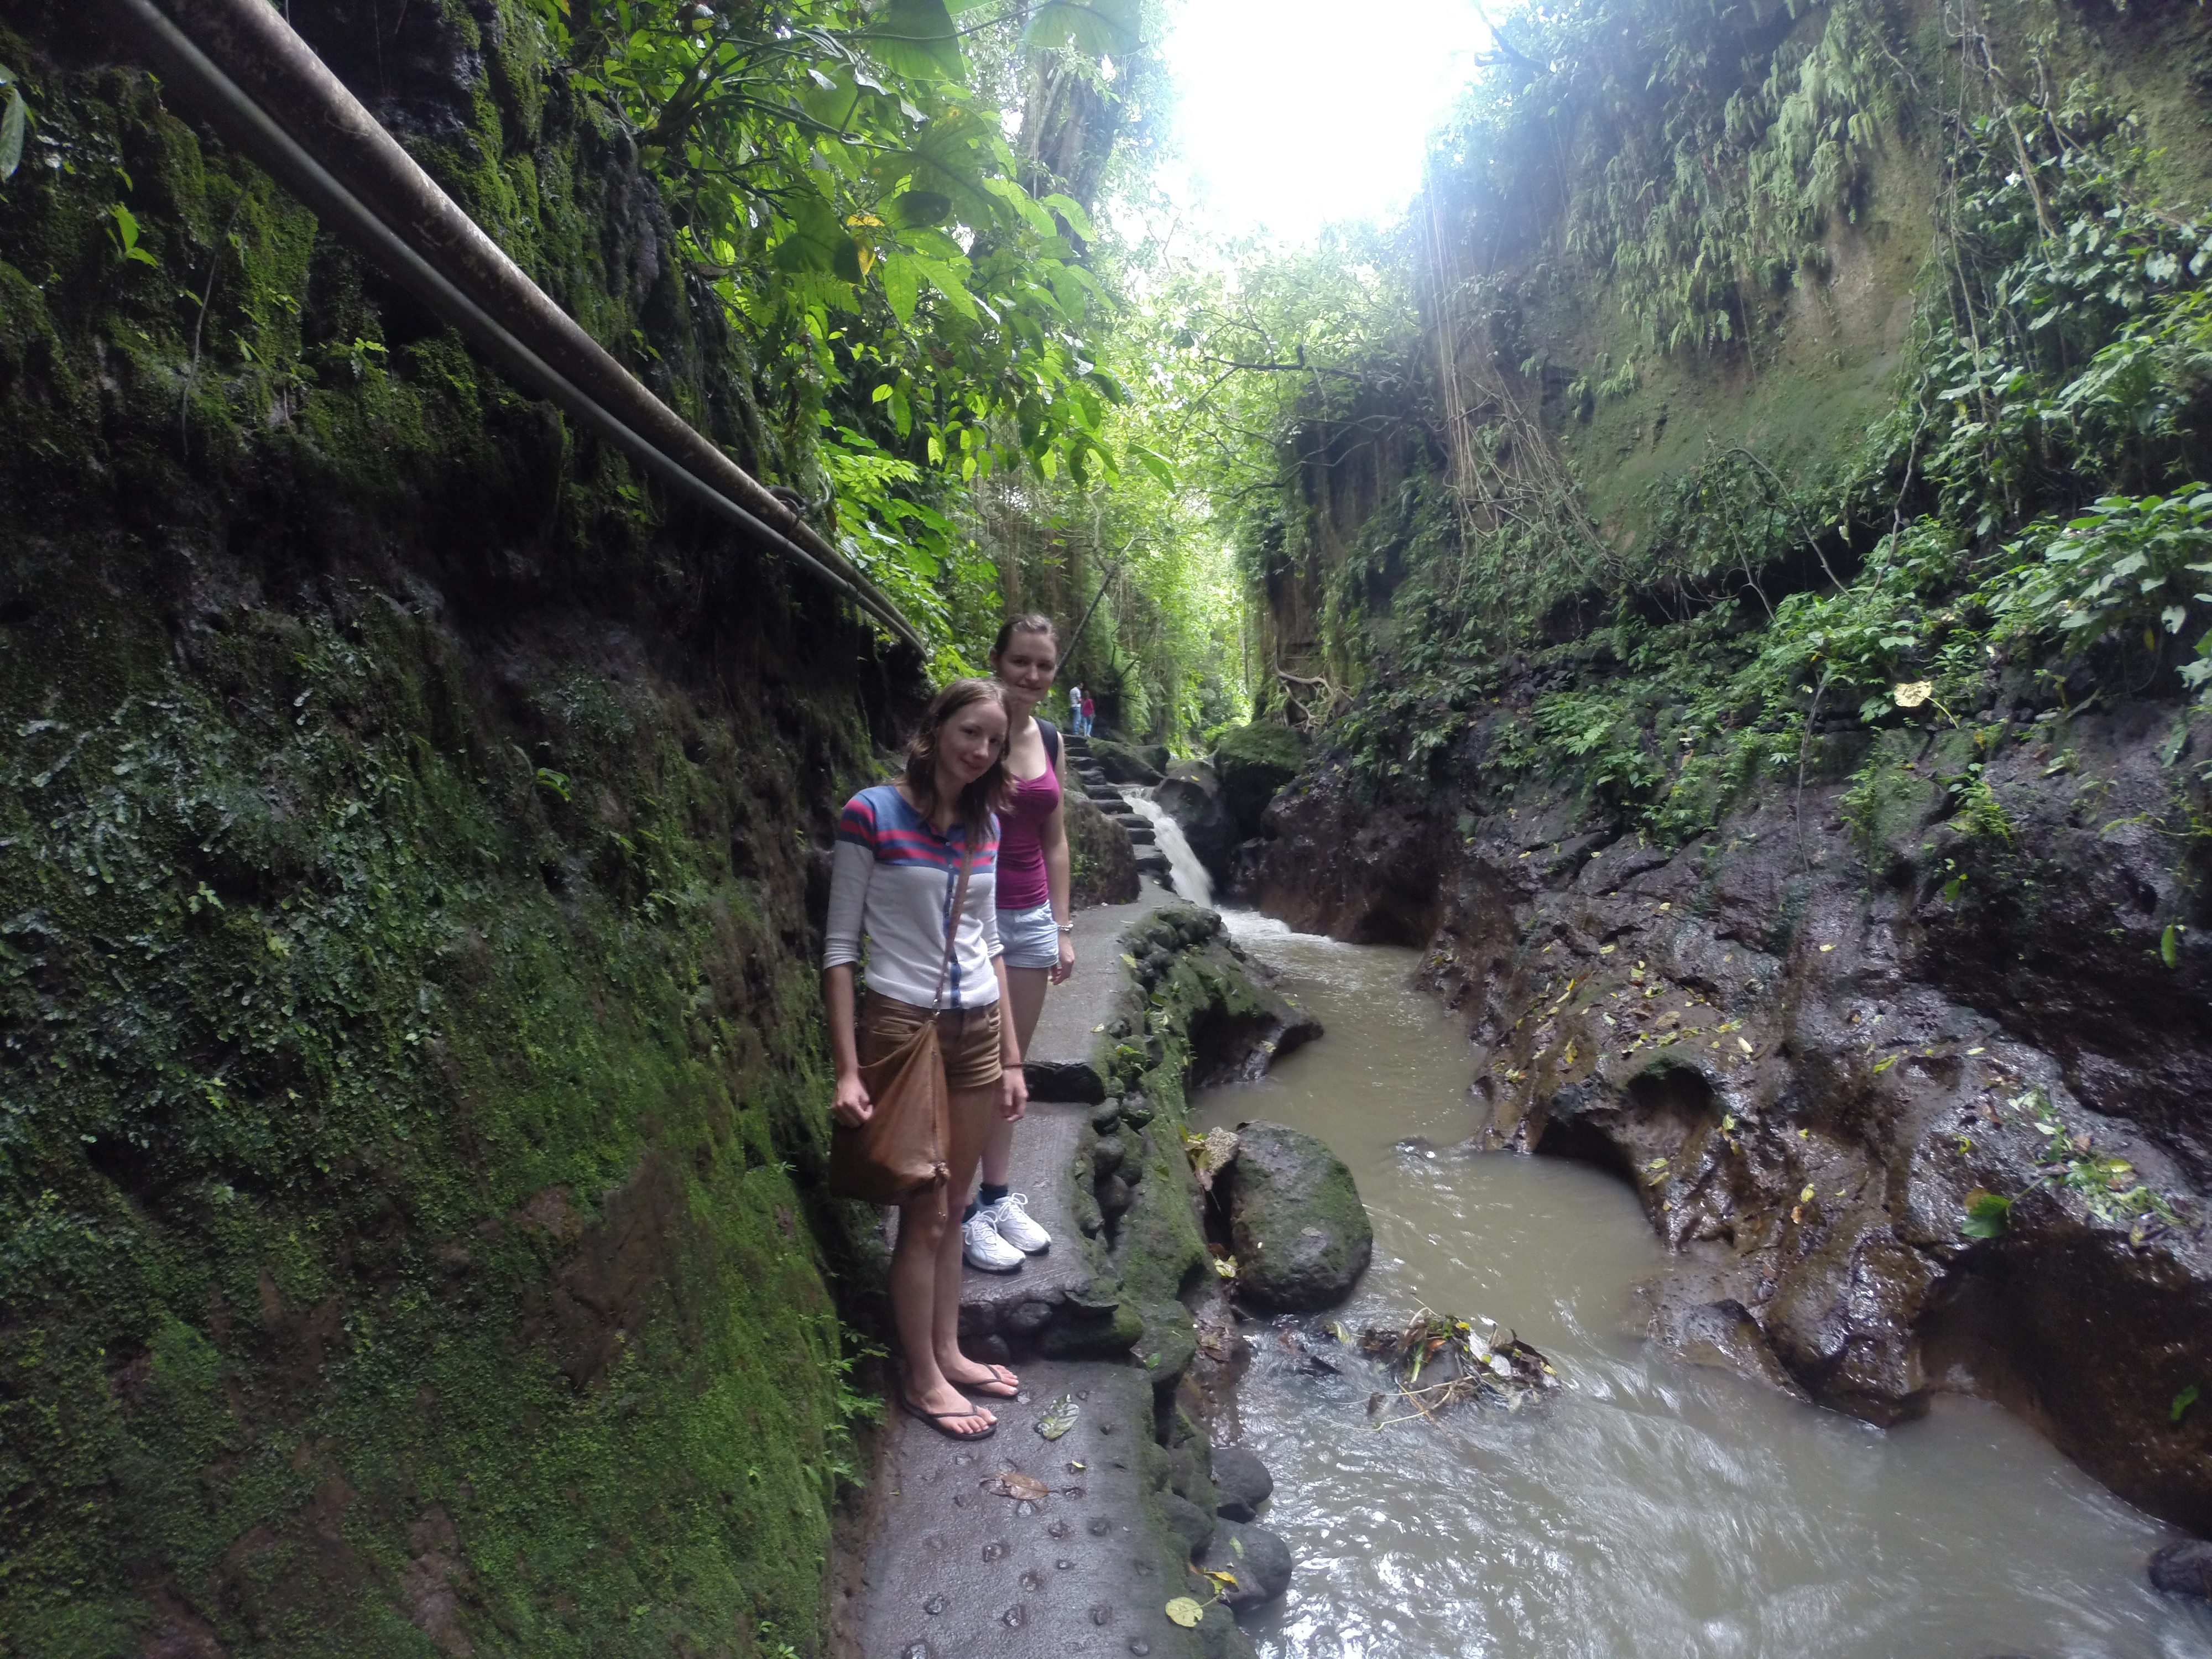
(1294,113)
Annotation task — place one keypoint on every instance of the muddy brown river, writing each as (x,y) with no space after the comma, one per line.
(1655,1508)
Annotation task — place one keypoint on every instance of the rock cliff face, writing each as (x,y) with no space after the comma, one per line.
(1928,1096)
(411,1115)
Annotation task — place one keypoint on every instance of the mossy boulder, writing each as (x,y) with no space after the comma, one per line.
(1129,762)
(1301,1236)
(1253,763)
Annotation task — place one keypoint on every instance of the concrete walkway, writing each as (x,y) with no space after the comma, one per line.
(959,1569)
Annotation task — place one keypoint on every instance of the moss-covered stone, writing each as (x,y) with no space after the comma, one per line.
(412,1112)
(1301,1235)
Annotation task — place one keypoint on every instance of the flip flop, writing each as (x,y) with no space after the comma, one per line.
(938,1420)
(1009,1386)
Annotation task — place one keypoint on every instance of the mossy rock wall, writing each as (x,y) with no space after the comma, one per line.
(414,1102)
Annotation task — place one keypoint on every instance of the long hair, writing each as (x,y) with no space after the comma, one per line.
(1030,623)
(987,794)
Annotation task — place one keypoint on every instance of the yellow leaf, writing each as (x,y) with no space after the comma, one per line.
(1911,694)
(1806,1197)
(1185,1611)
(1742,1045)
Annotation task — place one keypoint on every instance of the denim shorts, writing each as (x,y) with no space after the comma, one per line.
(1030,937)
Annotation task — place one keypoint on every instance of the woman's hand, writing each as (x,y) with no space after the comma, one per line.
(1013,1093)
(1066,965)
(850,1105)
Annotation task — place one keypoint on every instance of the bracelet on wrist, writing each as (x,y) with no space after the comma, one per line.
(1066,926)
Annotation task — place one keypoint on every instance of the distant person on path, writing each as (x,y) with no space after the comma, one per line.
(1090,711)
(1036,922)
(900,847)
(1075,709)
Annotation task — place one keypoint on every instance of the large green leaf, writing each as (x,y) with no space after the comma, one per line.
(816,241)
(831,96)
(1072,211)
(901,284)
(11,136)
(916,38)
(1097,28)
(917,209)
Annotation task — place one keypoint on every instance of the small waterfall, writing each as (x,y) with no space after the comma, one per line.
(1185,873)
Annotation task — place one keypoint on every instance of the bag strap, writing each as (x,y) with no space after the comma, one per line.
(952,924)
(1050,733)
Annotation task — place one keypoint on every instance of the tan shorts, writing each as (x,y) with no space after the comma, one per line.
(967,1038)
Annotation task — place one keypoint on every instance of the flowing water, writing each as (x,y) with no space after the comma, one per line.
(1657,1508)
(1185,873)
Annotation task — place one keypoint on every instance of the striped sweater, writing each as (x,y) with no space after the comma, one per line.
(891,882)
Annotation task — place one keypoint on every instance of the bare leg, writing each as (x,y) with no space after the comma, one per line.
(973,1110)
(1025,989)
(917,1263)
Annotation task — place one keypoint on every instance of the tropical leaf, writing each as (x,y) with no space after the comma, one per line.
(816,240)
(11,135)
(917,209)
(1097,28)
(916,38)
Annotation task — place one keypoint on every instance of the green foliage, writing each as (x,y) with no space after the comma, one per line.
(1987,1214)
(1986,528)
(14,119)
(845,189)
(1709,146)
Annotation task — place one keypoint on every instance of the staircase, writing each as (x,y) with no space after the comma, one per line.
(1108,800)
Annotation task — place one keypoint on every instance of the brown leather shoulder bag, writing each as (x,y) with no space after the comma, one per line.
(900,1151)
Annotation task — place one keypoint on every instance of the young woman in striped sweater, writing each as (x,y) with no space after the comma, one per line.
(899,849)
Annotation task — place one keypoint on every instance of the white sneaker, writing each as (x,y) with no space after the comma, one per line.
(1011,1216)
(983,1249)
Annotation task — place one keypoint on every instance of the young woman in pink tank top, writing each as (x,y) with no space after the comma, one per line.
(1036,924)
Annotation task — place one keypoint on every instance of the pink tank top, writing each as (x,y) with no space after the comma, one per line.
(1022,884)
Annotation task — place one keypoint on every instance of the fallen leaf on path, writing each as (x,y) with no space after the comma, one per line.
(1185,1611)
(1012,1483)
(1058,1417)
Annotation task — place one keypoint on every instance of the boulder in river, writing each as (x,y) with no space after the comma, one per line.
(1253,762)
(1257,1560)
(2183,1569)
(1192,795)
(1241,1483)
(1300,1234)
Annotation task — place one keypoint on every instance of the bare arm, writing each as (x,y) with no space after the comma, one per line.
(850,1105)
(1059,877)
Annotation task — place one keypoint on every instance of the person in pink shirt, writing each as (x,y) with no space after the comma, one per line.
(1036,924)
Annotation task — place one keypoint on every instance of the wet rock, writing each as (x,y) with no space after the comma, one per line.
(1106,1157)
(1188,1523)
(1192,795)
(1105,869)
(2183,1569)
(1253,762)
(1816,1038)
(1114,1196)
(1724,1335)
(1241,1482)
(1258,1558)
(1298,1229)
(1129,762)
